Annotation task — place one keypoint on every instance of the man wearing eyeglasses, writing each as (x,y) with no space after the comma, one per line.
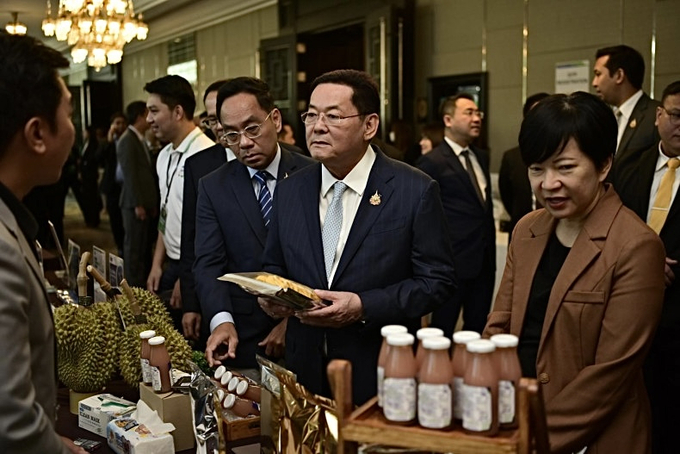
(462,171)
(366,231)
(233,215)
(651,190)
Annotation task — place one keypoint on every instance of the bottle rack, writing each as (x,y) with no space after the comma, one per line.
(367,424)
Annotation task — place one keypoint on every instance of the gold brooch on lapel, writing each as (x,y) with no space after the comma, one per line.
(375,199)
(633,123)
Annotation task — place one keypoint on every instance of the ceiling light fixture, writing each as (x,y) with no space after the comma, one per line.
(15,27)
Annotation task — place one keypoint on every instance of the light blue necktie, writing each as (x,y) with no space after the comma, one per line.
(332,226)
(264,197)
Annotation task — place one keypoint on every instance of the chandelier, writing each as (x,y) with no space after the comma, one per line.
(97,29)
(15,27)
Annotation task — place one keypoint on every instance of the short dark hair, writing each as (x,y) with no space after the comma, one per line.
(626,58)
(215,86)
(558,118)
(117,114)
(250,85)
(672,89)
(29,84)
(448,105)
(531,100)
(365,94)
(174,91)
(134,110)
(435,132)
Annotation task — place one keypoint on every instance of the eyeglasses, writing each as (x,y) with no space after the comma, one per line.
(472,113)
(310,118)
(209,122)
(251,132)
(674,117)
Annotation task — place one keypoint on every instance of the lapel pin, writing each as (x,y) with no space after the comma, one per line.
(375,199)
(633,123)
(285,175)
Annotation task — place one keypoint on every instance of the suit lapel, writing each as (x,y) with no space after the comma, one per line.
(309,196)
(635,119)
(367,213)
(242,188)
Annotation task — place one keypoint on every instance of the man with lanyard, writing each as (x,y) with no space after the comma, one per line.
(171,105)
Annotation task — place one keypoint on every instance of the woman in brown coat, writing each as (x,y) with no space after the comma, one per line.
(583,283)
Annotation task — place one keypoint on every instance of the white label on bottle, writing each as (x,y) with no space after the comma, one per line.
(506,401)
(434,405)
(399,399)
(477,409)
(381,377)
(458,397)
(146,372)
(155,378)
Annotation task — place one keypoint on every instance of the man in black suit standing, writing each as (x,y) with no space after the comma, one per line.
(618,75)
(233,213)
(462,171)
(138,196)
(642,189)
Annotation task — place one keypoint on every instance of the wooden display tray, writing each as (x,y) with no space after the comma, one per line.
(368,425)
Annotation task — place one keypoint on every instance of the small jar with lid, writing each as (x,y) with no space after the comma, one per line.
(424,333)
(240,407)
(382,357)
(249,391)
(159,363)
(435,400)
(480,409)
(509,374)
(459,362)
(144,355)
(399,387)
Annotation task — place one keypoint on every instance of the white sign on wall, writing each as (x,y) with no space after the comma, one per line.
(572,76)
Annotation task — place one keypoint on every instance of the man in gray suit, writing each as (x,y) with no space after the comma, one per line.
(36,136)
(139,195)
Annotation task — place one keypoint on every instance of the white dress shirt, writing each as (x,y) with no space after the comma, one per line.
(659,170)
(626,110)
(479,173)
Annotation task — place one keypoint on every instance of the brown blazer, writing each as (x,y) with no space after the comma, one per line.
(602,313)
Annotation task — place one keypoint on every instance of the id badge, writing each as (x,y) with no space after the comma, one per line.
(161,220)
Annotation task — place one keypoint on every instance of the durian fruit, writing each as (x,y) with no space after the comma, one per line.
(158,320)
(87,345)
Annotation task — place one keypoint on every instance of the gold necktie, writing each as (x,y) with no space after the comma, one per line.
(662,202)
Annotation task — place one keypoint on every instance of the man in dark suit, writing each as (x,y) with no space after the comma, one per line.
(232,217)
(619,73)
(462,172)
(35,140)
(109,186)
(638,188)
(513,180)
(367,231)
(138,196)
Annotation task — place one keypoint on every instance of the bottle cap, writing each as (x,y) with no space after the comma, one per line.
(233,383)
(400,339)
(423,333)
(480,346)
(158,340)
(219,372)
(229,401)
(220,394)
(148,334)
(241,388)
(226,377)
(436,343)
(392,329)
(504,340)
(463,337)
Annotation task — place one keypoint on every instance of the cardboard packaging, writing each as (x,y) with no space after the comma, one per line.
(174,408)
(95,412)
(127,436)
(241,428)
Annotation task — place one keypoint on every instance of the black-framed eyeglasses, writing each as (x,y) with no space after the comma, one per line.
(472,112)
(310,118)
(251,132)
(209,122)
(674,117)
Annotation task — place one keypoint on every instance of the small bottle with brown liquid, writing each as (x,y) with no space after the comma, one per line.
(382,357)
(249,391)
(399,388)
(435,401)
(480,409)
(159,363)
(459,363)
(240,407)
(424,333)
(144,355)
(509,373)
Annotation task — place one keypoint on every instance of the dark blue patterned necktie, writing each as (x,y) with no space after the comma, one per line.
(264,197)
